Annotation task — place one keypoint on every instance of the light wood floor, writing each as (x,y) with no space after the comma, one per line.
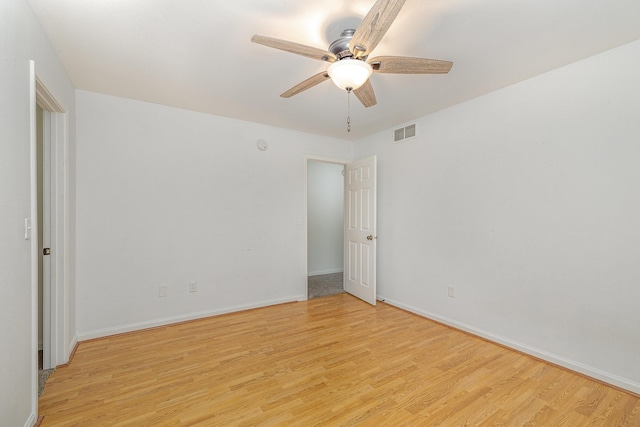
(333,361)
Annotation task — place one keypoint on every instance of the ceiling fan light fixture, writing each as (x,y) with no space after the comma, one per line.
(349,74)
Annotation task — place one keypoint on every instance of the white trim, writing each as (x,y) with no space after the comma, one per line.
(321,272)
(64,268)
(31,421)
(177,319)
(572,365)
(72,345)
(59,237)
(307,159)
(33,162)
(45,99)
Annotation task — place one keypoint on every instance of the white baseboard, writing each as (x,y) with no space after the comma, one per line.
(177,319)
(31,421)
(321,272)
(572,365)
(71,347)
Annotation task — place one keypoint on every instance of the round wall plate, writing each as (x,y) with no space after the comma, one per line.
(262,144)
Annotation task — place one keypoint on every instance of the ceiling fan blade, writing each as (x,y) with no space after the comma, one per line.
(374,26)
(310,82)
(407,65)
(366,95)
(297,48)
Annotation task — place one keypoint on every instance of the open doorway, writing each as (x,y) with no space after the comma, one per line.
(325,227)
(44,267)
(46,363)
(50,224)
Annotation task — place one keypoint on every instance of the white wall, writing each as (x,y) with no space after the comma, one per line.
(21,40)
(527,202)
(325,213)
(166,196)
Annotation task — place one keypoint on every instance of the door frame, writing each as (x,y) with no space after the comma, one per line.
(56,298)
(307,159)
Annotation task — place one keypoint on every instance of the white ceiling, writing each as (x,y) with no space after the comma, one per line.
(197,54)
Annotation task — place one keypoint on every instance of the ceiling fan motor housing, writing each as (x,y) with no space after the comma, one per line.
(340,47)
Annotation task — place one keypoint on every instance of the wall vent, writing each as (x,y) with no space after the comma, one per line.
(404,133)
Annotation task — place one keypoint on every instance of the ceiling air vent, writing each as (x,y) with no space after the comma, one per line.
(404,133)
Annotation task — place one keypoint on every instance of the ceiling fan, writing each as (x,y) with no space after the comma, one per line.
(350,69)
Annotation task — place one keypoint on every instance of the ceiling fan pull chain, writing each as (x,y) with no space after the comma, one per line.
(348,110)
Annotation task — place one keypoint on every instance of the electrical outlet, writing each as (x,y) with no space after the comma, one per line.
(162,291)
(451,292)
(193,286)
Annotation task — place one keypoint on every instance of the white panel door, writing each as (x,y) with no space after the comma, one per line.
(360,229)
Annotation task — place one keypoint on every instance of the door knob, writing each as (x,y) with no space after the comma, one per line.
(369,237)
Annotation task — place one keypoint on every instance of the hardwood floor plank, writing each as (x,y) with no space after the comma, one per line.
(328,361)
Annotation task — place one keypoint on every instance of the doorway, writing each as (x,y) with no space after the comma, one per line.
(45,367)
(50,219)
(40,185)
(325,227)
